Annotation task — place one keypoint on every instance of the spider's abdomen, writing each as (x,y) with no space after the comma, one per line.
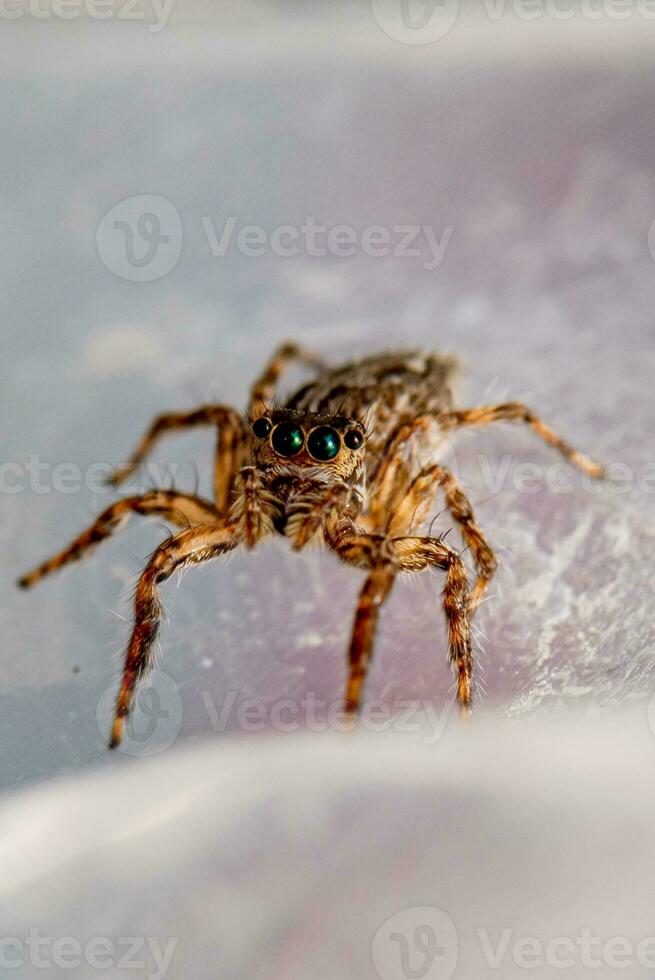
(382,391)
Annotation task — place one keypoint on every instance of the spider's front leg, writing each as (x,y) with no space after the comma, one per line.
(251,518)
(377,587)
(414,507)
(180,509)
(264,388)
(232,439)
(198,544)
(518,412)
(383,557)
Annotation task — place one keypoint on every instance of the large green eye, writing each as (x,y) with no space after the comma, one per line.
(287,439)
(324,443)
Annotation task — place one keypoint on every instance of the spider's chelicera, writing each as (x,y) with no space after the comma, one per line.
(337,465)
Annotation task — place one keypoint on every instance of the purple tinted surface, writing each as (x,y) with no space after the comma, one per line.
(546,291)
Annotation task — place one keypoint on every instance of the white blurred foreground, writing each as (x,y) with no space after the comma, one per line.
(502,848)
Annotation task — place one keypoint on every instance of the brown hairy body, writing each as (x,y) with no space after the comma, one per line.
(348,462)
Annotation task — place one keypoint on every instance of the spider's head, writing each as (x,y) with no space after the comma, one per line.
(326,448)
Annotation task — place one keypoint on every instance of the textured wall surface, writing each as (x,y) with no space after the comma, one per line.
(530,159)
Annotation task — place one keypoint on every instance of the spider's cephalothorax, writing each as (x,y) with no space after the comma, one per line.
(304,463)
(341,463)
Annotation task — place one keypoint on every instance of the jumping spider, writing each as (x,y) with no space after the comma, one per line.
(336,464)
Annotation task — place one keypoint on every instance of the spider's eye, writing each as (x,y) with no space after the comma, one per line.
(323,443)
(353,439)
(261,427)
(288,439)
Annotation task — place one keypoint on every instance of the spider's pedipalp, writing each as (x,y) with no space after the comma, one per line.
(255,508)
